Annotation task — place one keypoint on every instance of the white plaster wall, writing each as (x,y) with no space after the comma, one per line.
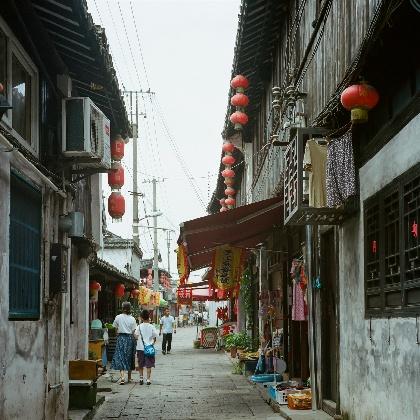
(135,266)
(96,209)
(29,353)
(117,257)
(379,380)
(79,328)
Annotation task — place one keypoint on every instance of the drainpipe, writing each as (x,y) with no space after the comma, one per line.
(311,315)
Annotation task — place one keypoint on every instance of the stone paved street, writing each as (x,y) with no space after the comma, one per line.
(188,384)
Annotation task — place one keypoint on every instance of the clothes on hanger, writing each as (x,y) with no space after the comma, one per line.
(340,170)
(314,162)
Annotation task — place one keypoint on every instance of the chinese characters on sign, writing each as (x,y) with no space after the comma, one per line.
(228,266)
(184,296)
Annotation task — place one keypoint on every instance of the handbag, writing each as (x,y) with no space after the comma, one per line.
(149,349)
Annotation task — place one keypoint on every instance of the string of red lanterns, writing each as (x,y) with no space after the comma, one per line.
(116,201)
(239,119)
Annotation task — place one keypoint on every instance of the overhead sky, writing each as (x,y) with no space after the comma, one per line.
(187,47)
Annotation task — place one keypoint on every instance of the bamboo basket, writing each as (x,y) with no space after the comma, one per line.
(300,401)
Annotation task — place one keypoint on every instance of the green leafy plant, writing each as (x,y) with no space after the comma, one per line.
(247,296)
(239,340)
(109,326)
(237,368)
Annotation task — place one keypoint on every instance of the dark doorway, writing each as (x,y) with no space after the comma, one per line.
(329,338)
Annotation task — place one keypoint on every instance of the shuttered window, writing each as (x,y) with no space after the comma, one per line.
(24,250)
(392,248)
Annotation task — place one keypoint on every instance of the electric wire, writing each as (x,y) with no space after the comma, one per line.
(154,141)
(178,154)
(120,79)
(119,41)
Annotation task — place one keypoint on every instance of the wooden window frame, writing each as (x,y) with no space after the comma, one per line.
(383,288)
(14,48)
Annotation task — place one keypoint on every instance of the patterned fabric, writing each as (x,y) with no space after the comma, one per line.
(145,362)
(298,308)
(341,175)
(124,356)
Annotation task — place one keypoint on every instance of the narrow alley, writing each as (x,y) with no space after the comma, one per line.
(187,384)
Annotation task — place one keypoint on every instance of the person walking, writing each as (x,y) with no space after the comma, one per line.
(167,324)
(146,334)
(123,359)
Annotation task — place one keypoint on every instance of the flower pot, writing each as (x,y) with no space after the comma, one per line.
(233,352)
(112,332)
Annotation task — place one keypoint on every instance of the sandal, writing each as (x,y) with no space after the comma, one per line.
(148,382)
(121,382)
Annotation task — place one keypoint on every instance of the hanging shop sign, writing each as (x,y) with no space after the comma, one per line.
(182,263)
(144,295)
(184,296)
(228,265)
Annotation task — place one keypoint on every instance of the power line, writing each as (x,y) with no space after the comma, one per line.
(178,154)
(140,49)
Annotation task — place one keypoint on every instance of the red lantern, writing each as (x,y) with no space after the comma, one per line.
(228,147)
(239,100)
(135,293)
(230,191)
(223,208)
(117,148)
(229,181)
(94,285)
(239,119)
(240,83)
(230,201)
(359,99)
(228,173)
(116,178)
(222,202)
(228,160)
(116,205)
(119,290)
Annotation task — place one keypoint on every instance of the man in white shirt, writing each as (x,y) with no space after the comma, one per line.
(167,325)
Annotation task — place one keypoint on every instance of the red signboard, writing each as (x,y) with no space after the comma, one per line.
(184,296)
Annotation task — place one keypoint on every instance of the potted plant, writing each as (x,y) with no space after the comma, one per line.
(230,344)
(112,331)
(243,341)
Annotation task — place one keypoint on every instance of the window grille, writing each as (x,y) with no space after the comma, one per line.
(392,250)
(24,250)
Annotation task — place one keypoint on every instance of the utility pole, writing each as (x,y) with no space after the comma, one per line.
(132,96)
(155,244)
(168,243)
(136,237)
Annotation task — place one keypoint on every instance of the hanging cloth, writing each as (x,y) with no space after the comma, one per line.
(314,161)
(298,307)
(341,174)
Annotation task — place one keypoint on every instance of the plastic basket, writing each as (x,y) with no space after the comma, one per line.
(281,396)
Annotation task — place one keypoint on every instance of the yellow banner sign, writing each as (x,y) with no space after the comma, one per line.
(182,263)
(228,264)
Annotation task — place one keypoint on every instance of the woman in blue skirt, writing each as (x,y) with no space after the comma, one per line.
(123,359)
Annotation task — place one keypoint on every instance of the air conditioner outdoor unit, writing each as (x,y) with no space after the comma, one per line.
(86,134)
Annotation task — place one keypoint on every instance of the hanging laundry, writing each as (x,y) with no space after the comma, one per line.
(298,307)
(341,174)
(314,161)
